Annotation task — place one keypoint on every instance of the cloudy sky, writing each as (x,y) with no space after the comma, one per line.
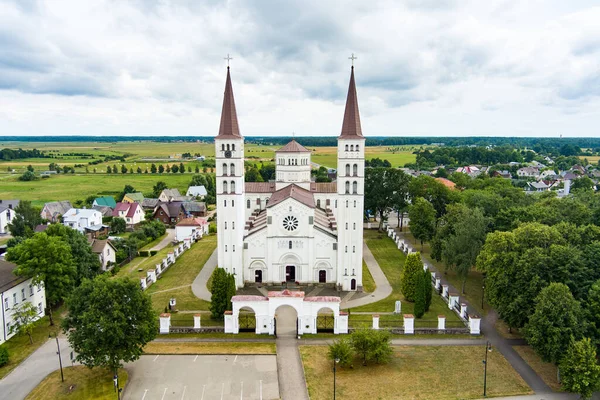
(424,67)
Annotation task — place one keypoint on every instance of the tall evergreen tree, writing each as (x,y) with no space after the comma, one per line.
(413,269)
(428,289)
(420,296)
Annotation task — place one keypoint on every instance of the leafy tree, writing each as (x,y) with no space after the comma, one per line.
(413,270)
(556,320)
(26,219)
(109,322)
(127,189)
(592,311)
(583,183)
(28,176)
(341,349)
(433,191)
(168,169)
(252,175)
(385,189)
(267,171)
(109,170)
(88,264)
(24,317)
(197,170)
(580,371)
(123,169)
(4,356)
(422,220)
(158,188)
(30,168)
(118,225)
(361,343)
(221,292)
(181,168)
(48,260)
(139,170)
(153,168)
(372,344)
(131,170)
(161,169)
(420,295)
(174,169)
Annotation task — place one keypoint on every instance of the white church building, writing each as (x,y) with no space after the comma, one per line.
(291,229)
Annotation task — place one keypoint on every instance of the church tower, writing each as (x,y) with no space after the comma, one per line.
(350,189)
(229,156)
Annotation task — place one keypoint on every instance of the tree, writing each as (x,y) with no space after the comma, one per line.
(428,290)
(168,169)
(126,189)
(4,356)
(221,292)
(422,220)
(592,311)
(372,344)
(267,171)
(30,168)
(174,169)
(556,320)
(181,168)
(161,169)
(341,349)
(153,168)
(158,188)
(420,295)
(109,322)
(26,219)
(580,372)
(197,170)
(413,269)
(583,183)
(385,189)
(431,190)
(252,175)
(24,317)
(139,170)
(28,176)
(118,225)
(48,261)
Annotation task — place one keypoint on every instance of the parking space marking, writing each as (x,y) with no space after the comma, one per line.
(235,359)
(222,390)
(195,358)
(203,387)
(183,395)
(164,393)
(260,389)
(155,358)
(144,396)
(242,391)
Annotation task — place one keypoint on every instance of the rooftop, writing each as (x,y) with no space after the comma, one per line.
(293,147)
(7,278)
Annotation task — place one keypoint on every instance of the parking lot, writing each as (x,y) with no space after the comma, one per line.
(203,377)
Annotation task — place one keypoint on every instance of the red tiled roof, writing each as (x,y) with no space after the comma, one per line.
(446,182)
(324,299)
(286,293)
(323,187)
(229,128)
(120,207)
(132,208)
(249,298)
(259,187)
(351,126)
(295,192)
(192,222)
(293,147)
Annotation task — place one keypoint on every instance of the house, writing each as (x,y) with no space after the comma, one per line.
(528,172)
(150,204)
(136,197)
(132,213)
(106,211)
(547,174)
(54,210)
(83,219)
(169,195)
(169,213)
(470,170)
(41,228)
(446,182)
(549,160)
(194,208)
(186,228)
(105,201)
(502,174)
(106,252)
(7,214)
(197,191)
(16,290)
(201,158)
(537,186)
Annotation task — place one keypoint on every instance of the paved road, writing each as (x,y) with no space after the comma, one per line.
(292,383)
(199,285)
(166,240)
(33,370)
(383,289)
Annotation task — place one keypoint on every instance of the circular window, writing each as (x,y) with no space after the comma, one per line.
(290,223)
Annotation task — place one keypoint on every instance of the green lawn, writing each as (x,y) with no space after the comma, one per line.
(391,260)
(19,348)
(369,285)
(81,383)
(327,156)
(138,267)
(415,372)
(153,243)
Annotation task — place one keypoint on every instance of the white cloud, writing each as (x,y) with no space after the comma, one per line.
(500,67)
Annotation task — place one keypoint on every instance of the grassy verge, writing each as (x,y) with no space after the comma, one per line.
(368,281)
(391,260)
(19,348)
(209,348)
(153,243)
(419,372)
(215,335)
(80,383)
(546,371)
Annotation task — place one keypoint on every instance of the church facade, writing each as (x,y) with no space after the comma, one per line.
(291,229)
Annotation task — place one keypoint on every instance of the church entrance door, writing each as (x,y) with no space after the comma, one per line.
(322,276)
(258,276)
(353,284)
(290,273)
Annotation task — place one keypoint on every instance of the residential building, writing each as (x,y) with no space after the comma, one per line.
(106,252)
(169,213)
(108,201)
(83,219)
(169,195)
(132,213)
(149,204)
(136,197)
(197,191)
(7,214)
(106,211)
(528,172)
(53,211)
(194,208)
(186,228)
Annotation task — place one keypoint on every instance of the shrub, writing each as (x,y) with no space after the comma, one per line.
(420,296)
(3,356)
(153,252)
(341,349)
(28,176)
(143,253)
(413,269)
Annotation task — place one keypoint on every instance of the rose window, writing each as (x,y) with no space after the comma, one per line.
(290,223)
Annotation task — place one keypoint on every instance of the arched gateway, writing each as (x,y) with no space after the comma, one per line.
(307,309)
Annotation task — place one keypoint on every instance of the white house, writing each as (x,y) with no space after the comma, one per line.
(186,228)
(82,218)
(105,251)
(528,172)
(7,213)
(54,210)
(16,290)
(132,213)
(197,191)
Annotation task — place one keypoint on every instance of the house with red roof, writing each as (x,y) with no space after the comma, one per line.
(132,213)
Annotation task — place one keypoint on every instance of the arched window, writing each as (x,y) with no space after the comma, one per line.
(232,169)
(233,225)
(318,203)
(225,248)
(351,147)
(289,161)
(223,146)
(228,146)
(354,251)
(354,203)
(347,189)
(346,203)
(233,147)
(290,245)
(225,224)
(354,187)
(224,187)
(248,203)
(346,249)
(233,186)
(346,147)
(354,226)
(224,169)
(232,203)
(347,169)
(354,169)
(356,147)
(224,203)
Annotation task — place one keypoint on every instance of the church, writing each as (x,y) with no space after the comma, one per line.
(291,229)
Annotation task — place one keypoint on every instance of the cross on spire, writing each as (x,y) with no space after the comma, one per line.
(352,57)
(227,58)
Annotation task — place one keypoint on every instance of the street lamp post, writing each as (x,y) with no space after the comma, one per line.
(62,377)
(337,360)
(482,291)
(488,349)
(116,382)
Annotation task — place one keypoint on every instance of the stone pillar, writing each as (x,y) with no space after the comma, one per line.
(158,269)
(453,300)
(438,284)
(181,249)
(143,283)
(341,324)
(171,257)
(165,262)
(445,291)
(375,321)
(172,304)
(463,310)
(399,244)
(197,321)
(152,275)
(398,308)
(165,323)
(474,324)
(441,322)
(230,325)
(409,324)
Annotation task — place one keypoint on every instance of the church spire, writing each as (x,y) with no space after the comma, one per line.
(351,127)
(229,123)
